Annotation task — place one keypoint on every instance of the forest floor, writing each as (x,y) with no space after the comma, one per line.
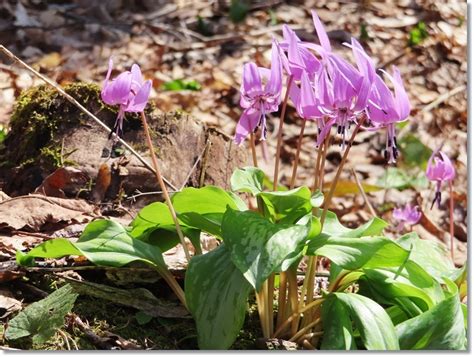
(194,52)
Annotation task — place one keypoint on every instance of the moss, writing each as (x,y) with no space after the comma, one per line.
(39,114)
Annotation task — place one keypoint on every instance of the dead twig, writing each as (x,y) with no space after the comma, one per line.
(362,192)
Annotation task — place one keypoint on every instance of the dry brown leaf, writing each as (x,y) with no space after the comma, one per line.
(8,304)
(33,212)
(54,184)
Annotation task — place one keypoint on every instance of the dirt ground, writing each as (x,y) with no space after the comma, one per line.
(199,48)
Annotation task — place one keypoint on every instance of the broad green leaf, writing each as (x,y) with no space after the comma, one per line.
(54,248)
(41,319)
(374,325)
(216,295)
(286,206)
(440,328)
(344,188)
(203,208)
(408,281)
(432,256)
(106,242)
(397,315)
(337,326)
(259,247)
(333,228)
(356,253)
(154,225)
(103,242)
(247,179)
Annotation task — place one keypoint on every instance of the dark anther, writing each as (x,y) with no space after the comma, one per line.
(319,130)
(395,153)
(437,198)
(384,112)
(339,129)
(385,154)
(395,141)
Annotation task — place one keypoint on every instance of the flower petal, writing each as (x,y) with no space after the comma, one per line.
(322,35)
(139,101)
(247,124)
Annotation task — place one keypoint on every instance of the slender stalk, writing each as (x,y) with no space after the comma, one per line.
(307,345)
(163,186)
(293,296)
(169,278)
(310,289)
(254,151)
(451,217)
(262,313)
(317,170)
(323,163)
(72,100)
(270,293)
(304,330)
(362,192)
(328,199)
(280,133)
(314,304)
(282,288)
(297,155)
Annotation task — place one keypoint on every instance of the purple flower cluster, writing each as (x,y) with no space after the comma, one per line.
(324,87)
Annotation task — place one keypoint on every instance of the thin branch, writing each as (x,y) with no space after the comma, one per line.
(362,192)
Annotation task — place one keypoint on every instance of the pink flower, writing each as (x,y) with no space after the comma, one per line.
(439,169)
(407,215)
(385,109)
(128,90)
(256,99)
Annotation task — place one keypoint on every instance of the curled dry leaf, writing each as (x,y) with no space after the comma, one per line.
(34,212)
(54,184)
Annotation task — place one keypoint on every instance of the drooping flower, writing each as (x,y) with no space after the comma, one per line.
(128,90)
(256,99)
(385,109)
(439,169)
(406,215)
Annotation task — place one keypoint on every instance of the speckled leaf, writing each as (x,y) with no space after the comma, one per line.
(374,324)
(337,326)
(247,179)
(258,247)
(216,295)
(287,206)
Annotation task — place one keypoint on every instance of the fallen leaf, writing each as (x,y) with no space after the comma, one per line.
(349,188)
(33,212)
(54,184)
(8,304)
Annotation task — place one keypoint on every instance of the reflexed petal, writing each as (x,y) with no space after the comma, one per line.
(308,105)
(137,78)
(322,35)
(120,88)
(139,102)
(327,128)
(449,171)
(274,84)
(251,81)
(247,124)
(401,96)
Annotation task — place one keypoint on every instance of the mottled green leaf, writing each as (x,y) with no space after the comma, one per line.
(247,179)
(41,319)
(259,247)
(216,296)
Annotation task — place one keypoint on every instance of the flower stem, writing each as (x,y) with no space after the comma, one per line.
(169,278)
(328,199)
(254,151)
(323,164)
(163,186)
(451,217)
(297,156)
(282,289)
(280,133)
(270,291)
(314,304)
(362,192)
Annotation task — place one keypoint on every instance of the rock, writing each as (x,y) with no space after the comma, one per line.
(47,132)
